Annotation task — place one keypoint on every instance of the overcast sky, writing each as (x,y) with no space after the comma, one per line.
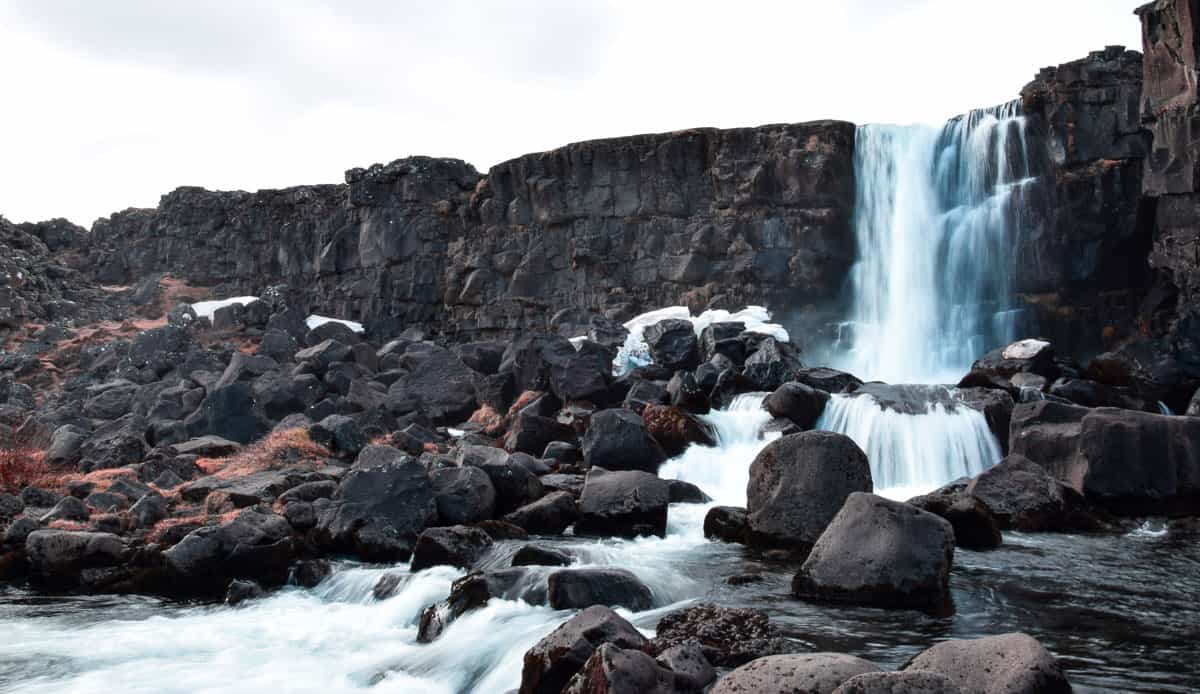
(107,104)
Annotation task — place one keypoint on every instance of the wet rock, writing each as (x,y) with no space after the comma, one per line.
(807,673)
(687,394)
(727,636)
(727,523)
(880,552)
(996,406)
(797,402)
(1024,356)
(617,439)
(798,484)
(625,503)
(550,515)
(675,429)
(772,364)
(1047,433)
(464,495)
(673,344)
(554,660)
(241,591)
(379,510)
(722,339)
(613,670)
(828,380)
(253,545)
(1005,664)
(1024,496)
(538,555)
(974,524)
(456,545)
(467,593)
(681,492)
(692,670)
(579,588)
(61,556)
(899,683)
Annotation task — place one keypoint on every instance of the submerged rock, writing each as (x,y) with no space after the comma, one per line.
(578,588)
(1005,664)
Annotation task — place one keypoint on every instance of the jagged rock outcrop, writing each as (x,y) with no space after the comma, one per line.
(615,226)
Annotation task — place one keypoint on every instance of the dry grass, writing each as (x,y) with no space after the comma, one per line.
(279,449)
(61,524)
(201,518)
(23,467)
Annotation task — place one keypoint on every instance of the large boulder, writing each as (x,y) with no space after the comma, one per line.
(899,683)
(464,495)
(798,483)
(880,552)
(554,660)
(438,385)
(380,509)
(549,515)
(624,503)
(613,670)
(1047,433)
(1024,356)
(515,484)
(60,556)
(1136,463)
(772,364)
(673,344)
(675,428)
(728,636)
(1005,664)
(254,545)
(617,439)
(1022,495)
(996,406)
(572,589)
(456,545)
(798,673)
(228,412)
(801,404)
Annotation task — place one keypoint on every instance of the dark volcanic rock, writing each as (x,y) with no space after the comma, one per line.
(1024,496)
(809,673)
(457,545)
(554,660)
(537,555)
(464,495)
(253,545)
(675,429)
(579,588)
(728,523)
(797,402)
(798,484)
(379,510)
(439,385)
(1004,664)
(727,636)
(673,344)
(60,556)
(613,670)
(899,683)
(880,552)
(549,515)
(624,503)
(617,439)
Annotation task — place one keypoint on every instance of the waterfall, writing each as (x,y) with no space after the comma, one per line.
(933,441)
(937,215)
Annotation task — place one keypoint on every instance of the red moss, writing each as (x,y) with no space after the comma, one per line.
(23,467)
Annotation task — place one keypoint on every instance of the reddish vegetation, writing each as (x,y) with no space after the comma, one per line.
(488,421)
(61,524)
(22,467)
(278,449)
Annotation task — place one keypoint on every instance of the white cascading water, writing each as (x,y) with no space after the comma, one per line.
(937,215)
(339,638)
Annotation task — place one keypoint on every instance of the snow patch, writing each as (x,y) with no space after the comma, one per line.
(314,321)
(635,352)
(206,309)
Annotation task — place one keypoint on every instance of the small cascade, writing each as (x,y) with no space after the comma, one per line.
(937,215)
(916,448)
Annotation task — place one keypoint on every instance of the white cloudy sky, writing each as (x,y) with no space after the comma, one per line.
(107,104)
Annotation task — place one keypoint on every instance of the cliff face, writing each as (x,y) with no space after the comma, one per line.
(751,215)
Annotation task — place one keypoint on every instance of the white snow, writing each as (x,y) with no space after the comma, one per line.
(635,353)
(314,321)
(206,309)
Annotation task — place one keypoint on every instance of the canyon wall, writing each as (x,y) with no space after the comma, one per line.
(701,217)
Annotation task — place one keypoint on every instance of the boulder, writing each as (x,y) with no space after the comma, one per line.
(974,524)
(1047,433)
(438,385)
(727,523)
(681,492)
(996,406)
(572,589)
(675,429)
(1005,664)
(693,672)
(797,402)
(456,545)
(1024,356)
(828,380)
(673,344)
(241,591)
(617,439)
(727,636)
(772,364)
(899,683)
(228,412)
(687,394)
(464,495)
(254,545)
(1022,495)
(798,673)
(549,515)
(613,670)
(115,444)
(324,353)
(60,556)
(880,552)
(467,593)
(554,660)
(798,484)
(722,339)
(379,510)
(514,484)
(538,555)
(624,503)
